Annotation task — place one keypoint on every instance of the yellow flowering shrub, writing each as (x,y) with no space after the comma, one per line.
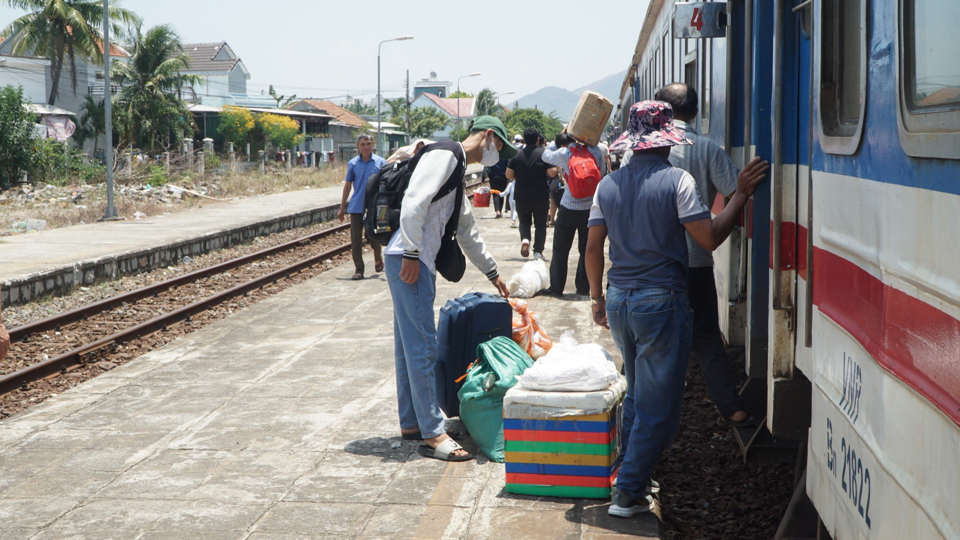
(236,123)
(281,131)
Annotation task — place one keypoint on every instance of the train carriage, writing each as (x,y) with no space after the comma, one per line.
(843,284)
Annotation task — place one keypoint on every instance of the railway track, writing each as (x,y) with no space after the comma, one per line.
(81,343)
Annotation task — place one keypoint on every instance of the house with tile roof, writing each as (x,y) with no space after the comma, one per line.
(452,108)
(224,76)
(33,74)
(344,128)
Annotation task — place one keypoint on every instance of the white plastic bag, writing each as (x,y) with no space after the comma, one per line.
(571,367)
(531,279)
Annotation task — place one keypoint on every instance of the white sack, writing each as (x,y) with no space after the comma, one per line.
(531,279)
(571,367)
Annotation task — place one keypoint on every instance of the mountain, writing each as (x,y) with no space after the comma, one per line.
(553,98)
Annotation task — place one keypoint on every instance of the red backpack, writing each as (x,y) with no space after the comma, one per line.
(584,173)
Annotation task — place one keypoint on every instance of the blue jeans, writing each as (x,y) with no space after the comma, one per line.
(653,328)
(415,348)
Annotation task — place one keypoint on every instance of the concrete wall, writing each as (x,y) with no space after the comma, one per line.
(29,73)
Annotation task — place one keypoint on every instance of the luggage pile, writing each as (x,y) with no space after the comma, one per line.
(558,437)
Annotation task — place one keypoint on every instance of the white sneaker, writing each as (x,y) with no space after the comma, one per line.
(525,249)
(538,257)
(624,506)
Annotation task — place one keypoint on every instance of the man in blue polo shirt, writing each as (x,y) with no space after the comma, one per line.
(359,169)
(645,208)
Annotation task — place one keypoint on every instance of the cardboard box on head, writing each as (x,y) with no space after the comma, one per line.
(590,118)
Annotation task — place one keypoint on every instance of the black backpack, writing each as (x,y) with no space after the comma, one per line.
(384,196)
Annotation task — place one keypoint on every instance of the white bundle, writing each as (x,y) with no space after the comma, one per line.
(531,279)
(571,367)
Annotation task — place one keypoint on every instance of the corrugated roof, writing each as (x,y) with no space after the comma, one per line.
(450,105)
(342,115)
(288,112)
(202,57)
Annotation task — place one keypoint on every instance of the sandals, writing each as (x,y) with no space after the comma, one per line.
(378,266)
(454,434)
(357,277)
(444,451)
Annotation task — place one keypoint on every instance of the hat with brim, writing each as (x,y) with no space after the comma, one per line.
(650,126)
(484,123)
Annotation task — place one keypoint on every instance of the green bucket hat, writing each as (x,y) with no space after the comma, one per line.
(484,123)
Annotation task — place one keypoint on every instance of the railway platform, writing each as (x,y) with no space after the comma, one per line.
(277,422)
(55,261)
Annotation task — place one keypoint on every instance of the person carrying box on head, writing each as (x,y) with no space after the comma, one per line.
(645,208)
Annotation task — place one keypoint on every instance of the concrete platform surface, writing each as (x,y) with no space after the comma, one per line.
(55,261)
(277,422)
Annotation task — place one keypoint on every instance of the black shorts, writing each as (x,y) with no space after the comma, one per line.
(556,190)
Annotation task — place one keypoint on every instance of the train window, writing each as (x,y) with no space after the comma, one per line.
(665,59)
(843,74)
(929,86)
(705,87)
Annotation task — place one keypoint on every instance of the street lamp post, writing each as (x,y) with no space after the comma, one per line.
(111,211)
(379,119)
(504,94)
(458,98)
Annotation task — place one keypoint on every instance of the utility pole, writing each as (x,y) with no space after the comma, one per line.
(408,102)
(110,213)
(379,119)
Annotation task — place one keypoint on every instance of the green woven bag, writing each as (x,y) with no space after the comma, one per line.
(499,362)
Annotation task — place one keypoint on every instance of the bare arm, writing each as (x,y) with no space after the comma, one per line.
(510,174)
(552,172)
(4,337)
(594,263)
(710,233)
(347,188)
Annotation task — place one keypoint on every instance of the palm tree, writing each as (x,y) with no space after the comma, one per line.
(398,110)
(486,103)
(64,30)
(149,111)
(92,123)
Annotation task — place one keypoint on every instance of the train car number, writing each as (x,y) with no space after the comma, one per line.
(852,385)
(854,477)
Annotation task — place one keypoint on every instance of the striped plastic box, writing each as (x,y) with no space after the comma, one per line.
(552,454)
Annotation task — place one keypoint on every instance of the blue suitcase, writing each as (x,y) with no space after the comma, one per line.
(465,323)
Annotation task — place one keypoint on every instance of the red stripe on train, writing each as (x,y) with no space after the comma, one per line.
(916,342)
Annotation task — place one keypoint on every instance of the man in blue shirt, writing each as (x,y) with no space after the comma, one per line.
(645,208)
(359,169)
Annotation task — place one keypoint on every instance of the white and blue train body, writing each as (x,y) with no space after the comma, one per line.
(843,284)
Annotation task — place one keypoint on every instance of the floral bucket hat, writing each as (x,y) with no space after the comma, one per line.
(650,126)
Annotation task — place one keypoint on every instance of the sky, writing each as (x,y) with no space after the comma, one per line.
(325,49)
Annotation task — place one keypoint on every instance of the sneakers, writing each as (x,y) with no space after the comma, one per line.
(538,257)
(514,224)
(653,487)
(625,506)
(525,249)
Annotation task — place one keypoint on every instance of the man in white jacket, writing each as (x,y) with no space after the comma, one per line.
(411,266)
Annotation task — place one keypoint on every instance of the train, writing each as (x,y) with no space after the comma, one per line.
(842,284)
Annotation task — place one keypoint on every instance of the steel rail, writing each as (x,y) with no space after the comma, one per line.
(19,333)
(81,354)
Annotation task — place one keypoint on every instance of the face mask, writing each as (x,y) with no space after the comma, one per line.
(490,154)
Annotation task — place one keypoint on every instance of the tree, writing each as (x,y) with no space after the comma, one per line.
(460,93)
(520,119)
(16,136)
(281,131)
(424,121)
(358,108)
(149,112)
(398,110)
(236,124)
(486,103)
(64,30)
(282,101)
(92,123)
